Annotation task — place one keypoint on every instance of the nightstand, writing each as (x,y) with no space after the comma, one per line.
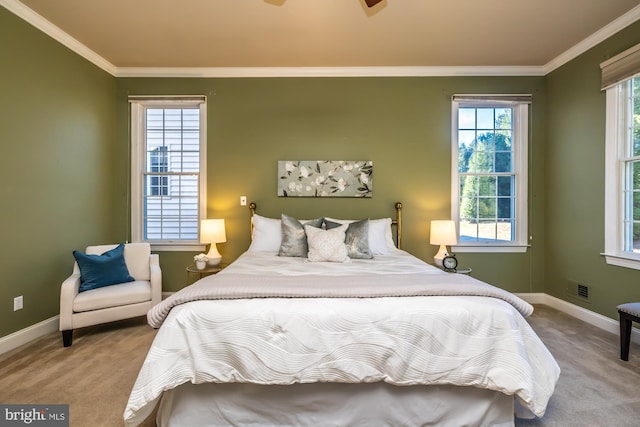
(464,270)
(208,270)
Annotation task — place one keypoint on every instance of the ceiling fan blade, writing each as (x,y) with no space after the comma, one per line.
(372,3)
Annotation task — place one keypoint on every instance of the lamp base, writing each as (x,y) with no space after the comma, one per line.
(214,256)
(437,258)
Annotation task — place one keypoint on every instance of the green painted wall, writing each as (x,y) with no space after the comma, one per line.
(402,124)
(574,196)
(57,120)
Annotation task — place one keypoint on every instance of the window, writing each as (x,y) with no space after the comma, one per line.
(168,195)
(621,80)
(622,196)
(489,172)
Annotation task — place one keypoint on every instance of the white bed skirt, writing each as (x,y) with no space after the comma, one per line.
(331,404)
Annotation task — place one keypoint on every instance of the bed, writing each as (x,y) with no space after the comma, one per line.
(380,339)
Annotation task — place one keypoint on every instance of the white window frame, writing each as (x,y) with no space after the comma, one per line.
(139,105)
(616,136)
(520,143)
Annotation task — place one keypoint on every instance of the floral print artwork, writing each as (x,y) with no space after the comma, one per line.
(325,178)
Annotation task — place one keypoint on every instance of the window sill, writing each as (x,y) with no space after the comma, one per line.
(178,247)
(490,249)
(622,261)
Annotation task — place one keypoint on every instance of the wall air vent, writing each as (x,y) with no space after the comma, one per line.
(578,290)
(583,291)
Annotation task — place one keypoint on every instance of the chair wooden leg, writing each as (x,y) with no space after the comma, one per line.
(625,336)
(67,338)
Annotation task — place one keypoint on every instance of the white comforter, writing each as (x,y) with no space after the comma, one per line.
(462,340)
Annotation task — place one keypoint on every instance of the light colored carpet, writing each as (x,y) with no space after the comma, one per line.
(596,388)
(96,374)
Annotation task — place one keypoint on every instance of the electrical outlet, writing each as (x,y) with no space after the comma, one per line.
(17,303)
(243,200)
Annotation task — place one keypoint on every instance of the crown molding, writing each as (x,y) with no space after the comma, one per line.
(47,27)
(44,25)
(241,72)
(598,37)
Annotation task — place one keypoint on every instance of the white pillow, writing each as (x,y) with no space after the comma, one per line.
(327,245)
(380,236)
(267,234)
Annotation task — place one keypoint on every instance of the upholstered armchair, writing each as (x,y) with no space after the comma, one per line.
(141,288)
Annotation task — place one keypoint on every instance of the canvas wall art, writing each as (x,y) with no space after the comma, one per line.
(325,178)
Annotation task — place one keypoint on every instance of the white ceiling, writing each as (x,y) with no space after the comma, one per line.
(122,35)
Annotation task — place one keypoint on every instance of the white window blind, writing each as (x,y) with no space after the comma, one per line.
(621,67)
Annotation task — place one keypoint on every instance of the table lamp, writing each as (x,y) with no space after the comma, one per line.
(212,231)
(443,233)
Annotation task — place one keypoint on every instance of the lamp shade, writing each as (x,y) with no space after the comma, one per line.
(212,231)
(443,232)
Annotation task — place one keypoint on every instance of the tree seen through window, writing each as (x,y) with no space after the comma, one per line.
(485,166)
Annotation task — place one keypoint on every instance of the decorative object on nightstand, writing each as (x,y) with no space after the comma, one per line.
(213,231)
(450,263)
(201,261)
(443,233)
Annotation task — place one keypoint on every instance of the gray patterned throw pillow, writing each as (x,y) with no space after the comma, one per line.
(357,238)
(294,238)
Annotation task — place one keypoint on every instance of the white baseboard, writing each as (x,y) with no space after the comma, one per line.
(533,298)
(591,317)
(28,334)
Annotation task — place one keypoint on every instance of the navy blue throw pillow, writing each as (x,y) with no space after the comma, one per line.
(107,269)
